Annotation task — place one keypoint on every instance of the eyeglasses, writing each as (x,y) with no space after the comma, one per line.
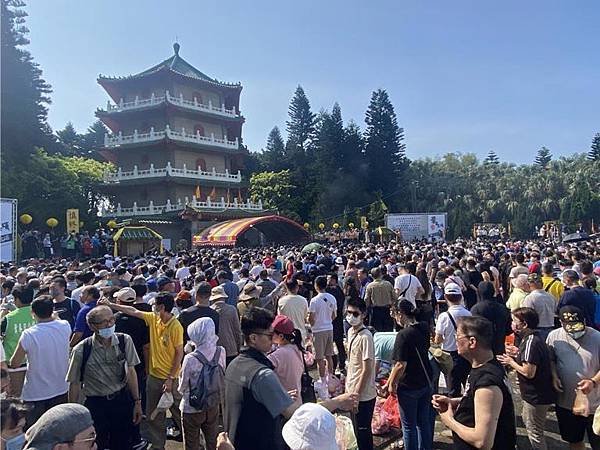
(90,440)
(353,313)
(462,336)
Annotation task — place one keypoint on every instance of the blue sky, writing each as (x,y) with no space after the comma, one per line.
(463,75)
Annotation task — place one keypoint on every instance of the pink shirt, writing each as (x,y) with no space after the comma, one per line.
(287,360)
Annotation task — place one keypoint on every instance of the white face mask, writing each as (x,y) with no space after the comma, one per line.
(354,321)
(107,332)
(577,334)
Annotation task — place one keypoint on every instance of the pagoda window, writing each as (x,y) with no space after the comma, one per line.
(230,134)
(199,129)
(200,162)
(198,96)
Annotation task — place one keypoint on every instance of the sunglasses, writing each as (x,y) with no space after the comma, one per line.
(353,313)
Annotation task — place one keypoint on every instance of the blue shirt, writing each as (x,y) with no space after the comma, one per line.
(232,291)
(81,325)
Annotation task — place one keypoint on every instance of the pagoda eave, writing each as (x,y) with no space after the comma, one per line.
(200,147)
(191,213)
(123,184)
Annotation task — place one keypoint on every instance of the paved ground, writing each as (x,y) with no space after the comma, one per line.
(443,440)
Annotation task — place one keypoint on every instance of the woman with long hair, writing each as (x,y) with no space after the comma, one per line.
(288,358)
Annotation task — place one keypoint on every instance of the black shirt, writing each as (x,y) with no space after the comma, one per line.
(340,298)
(537,390)
(67,310)
(472,277)
(187,316)
(409,341)
(490,374)
(499,315)
(583,298)
(135,328)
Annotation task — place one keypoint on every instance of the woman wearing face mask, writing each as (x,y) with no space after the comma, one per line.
(533,367)
(287,358)
(13,421)
(411,377)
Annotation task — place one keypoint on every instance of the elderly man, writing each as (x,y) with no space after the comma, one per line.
(105,364)
(379,297)
(542,303)
(575,369)
(519,292)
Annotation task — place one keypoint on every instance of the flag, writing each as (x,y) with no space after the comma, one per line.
(198,192)
(213,194)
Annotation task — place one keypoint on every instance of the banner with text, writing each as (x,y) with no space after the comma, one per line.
(72,221)
(430,226)
(8,229)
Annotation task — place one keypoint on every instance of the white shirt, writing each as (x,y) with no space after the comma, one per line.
(296,308)
(76,294)
(322,306)
(409,281)
(445,328)
(241,283)
(182,273)
(47,348)
(256,270)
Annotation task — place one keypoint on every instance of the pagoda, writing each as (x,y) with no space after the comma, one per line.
(176,144)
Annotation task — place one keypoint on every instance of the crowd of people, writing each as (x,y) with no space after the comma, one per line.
(83,245)
(216,347)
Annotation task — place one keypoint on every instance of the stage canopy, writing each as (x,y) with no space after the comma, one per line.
(275,229)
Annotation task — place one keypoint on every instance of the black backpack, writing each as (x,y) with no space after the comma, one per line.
(87,351)
(206,393)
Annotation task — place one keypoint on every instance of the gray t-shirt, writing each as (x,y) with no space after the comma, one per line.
(575,360)
(266,389)
(544,304)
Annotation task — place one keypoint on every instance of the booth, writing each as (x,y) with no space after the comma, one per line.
(136,240)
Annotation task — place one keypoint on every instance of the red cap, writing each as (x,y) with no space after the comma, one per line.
(282,324)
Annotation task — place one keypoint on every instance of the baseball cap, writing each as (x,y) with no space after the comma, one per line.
(125,295)
(183,295)
(571,274)
(59,424)
(452,289)
(162,281)
(571,318)
(310,427)
(282,324)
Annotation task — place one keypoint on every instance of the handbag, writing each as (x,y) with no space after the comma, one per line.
(444,360)
(307,386)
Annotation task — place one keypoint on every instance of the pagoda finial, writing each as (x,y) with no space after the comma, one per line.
(176,48)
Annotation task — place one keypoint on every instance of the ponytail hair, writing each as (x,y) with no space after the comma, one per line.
(407,308)
(295,338)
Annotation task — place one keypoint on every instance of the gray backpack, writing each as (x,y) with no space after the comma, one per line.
(206,393)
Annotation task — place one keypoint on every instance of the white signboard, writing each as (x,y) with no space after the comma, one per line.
(430,226)
(8,229)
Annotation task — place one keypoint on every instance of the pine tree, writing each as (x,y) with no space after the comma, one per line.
(329,140)
(543,157)
(93,140)
(384,150)
(24,92)
(272,158)
(301,124)
(594,153)
(492,159)
(69,140)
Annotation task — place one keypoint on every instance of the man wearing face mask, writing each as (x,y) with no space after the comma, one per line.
(105,364)
(576,367)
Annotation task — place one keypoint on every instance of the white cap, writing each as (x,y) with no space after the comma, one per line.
(452,289)
(311,427)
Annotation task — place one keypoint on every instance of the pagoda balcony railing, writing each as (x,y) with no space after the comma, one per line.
(182,136)
(152,209)
(169,170)
(193,104)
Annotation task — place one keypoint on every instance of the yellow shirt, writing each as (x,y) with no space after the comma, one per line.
(164,339)
(557,288)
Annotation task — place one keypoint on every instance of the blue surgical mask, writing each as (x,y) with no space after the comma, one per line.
(15,443)
(107,332)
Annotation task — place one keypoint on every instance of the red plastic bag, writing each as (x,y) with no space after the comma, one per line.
(379,423)
(392,411)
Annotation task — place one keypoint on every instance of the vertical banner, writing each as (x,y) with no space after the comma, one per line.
(8,229)
(72,221)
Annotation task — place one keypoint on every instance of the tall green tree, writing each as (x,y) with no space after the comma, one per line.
(594,153)
(543,157)
(25,94)
(93,140)
(384,147)
(70,141)
(492,158)
(275,189)
(273,156)
(301,123)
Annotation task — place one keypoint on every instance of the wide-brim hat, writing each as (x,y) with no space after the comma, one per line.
(250,291)
(217,293)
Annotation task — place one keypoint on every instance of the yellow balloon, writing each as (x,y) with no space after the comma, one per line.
(80,224)
(25,219)
(51,222)
(336,225)
(351,225)
(321,225)
(306,225)
(111,224)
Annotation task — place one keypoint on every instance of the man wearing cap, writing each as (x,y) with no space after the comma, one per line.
(105,364)
(576,367)
(542,303)
(89,298)
(230,333)
(577,295)
(63,427)
(445,334)
(165,284)
(200,309)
